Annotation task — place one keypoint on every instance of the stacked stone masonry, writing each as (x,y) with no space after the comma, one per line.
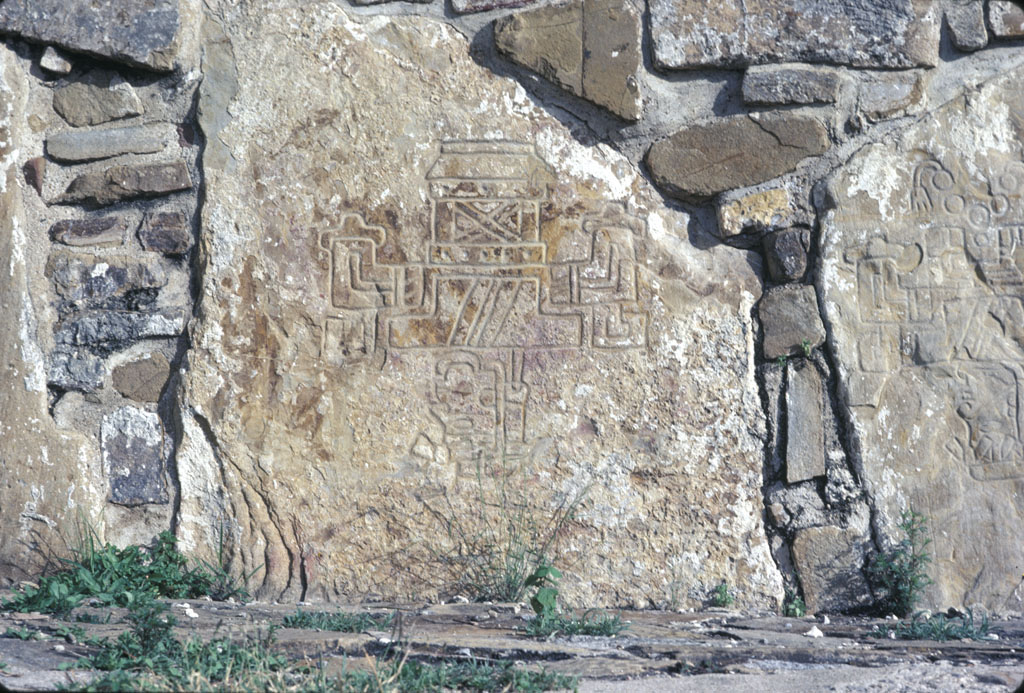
(740,279)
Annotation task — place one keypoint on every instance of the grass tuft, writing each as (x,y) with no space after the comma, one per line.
(339,621)
(938,627)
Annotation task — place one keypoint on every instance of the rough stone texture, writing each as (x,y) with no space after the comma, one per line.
(98,97)
(922,285)
(76,369)
(755,211)
(734,33)
(966,20)
(144,34)
(468,6)
(35,171)
(365,343)
(86,281)
(108,330)
(890,95)
(805,426)
(1006,18)
(92,231)
(86,145)
(790,84)
(143,379)
(790,320)
(126,182)
(132,441)
(702,160)
(590,48)
(785,255)
(166,232)
(53,62)
(50,478)
(828,561)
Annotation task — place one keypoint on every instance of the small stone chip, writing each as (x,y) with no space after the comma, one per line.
(53,61)
(125,182)
(166,232)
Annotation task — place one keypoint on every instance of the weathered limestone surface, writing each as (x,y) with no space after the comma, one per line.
(702,160)
(504,304)
(146,34)
(87,145)
(99,97)
(794,83)
(733,33)
(923,289)
(49,476)
(1006,18)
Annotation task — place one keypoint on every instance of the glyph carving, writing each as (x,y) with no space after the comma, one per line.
(490,290)
(943,294)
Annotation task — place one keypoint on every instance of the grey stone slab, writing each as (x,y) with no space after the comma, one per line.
(84,281)
(92,231)
(126,182)
(142,34)
(966,21)
(132,442)
(700,161)
(87,145)
(76,369)
(890,95)
(735,33)
(828,561)
(790,320)
(790,84)
(548,40)
(805,426)
(1006,19)
(166,232)
(786,255)
(108,330)
(98,97)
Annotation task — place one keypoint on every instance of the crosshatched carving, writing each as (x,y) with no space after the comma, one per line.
(945,294)
(488,292)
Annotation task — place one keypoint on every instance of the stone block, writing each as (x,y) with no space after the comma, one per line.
(91,231)
(469,6)
(828,561)
(35,171)
(98,97)
(790,84)
(805,425)
(786,255)
(590,48)
(87,145)
(966,21)
(736,33)
(754,212)
(703,160)
(922,294)
(1006,18)
(142,380)
(141,34)
(125,182)
(891,95)
(166,232)
(53,62)
(132,443)
(86,281)
(76,369)
(790,320)
(104,331)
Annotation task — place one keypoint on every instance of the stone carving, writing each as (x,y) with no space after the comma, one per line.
(950,301)
(489,290)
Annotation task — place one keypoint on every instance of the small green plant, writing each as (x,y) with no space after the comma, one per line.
(549,620)
(781,360)
(805,344)
(399,674)
(721,596)
(24,634)
(938,627)
(899,574)
(342,622)
(120,577)
(794,606)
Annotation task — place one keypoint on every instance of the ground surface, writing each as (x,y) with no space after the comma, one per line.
(716,650)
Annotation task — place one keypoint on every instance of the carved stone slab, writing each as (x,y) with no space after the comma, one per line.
(923,287)
(419,287)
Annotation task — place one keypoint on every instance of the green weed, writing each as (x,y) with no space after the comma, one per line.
(899,575)
(721,596)
(345,623)
(24,634)
(938,627)
(794,606)
(121,577)
(549,620)
(805,344)
(401,674)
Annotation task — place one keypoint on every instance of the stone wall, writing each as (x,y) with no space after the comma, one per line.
(347,290)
